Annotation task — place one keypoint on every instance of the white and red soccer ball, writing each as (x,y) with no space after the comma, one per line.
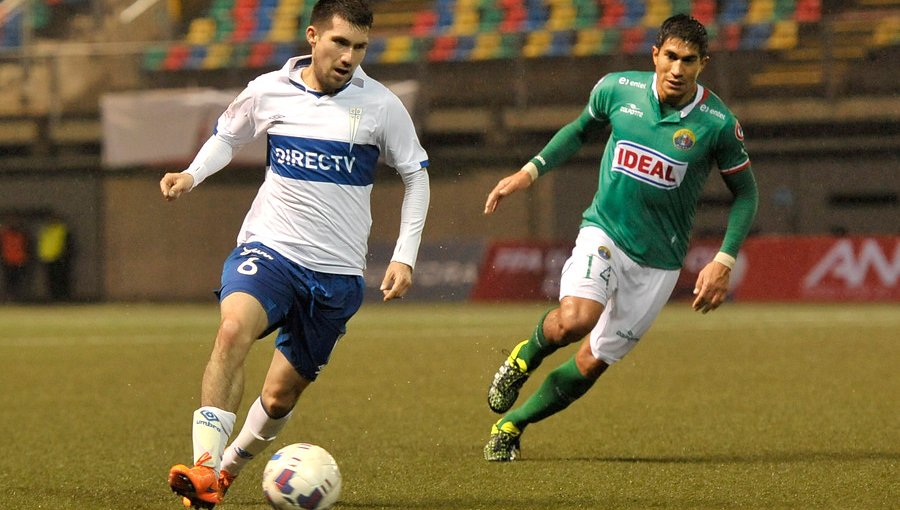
(303,476)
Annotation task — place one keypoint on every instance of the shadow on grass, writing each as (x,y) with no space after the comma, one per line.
(551,501)
(757,458)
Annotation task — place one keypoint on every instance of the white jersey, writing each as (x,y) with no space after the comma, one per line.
(323,151)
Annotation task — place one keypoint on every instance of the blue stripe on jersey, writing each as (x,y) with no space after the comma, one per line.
(308,159)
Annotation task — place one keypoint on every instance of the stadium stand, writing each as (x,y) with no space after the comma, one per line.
(787,48)
(814,83)
(547,28)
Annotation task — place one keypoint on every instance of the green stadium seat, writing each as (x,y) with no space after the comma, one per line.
(239,55)
(587,13)
(154,58)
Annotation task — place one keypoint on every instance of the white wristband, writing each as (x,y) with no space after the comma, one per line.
(725,259)
(532,171)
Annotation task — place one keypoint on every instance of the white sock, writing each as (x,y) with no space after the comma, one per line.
(258,432)
(211,430)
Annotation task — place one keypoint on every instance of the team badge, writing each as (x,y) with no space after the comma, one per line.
(355,116)
(738,130)
(604,253)
(684,139)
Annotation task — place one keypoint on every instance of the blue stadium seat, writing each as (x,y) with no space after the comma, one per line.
(732,11)
(756,36)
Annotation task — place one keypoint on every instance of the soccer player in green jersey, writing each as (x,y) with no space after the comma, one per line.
(667,132)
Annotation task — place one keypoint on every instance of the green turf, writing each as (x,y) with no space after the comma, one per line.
(753,406)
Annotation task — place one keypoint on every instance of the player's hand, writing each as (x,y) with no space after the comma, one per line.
(507,186)
(711,287)
(173,185)
(397,280)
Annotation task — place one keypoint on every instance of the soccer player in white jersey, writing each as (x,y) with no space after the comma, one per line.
(301,250)
(667,132)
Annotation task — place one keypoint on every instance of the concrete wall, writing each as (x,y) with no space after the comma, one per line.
(76,197)
(132,245)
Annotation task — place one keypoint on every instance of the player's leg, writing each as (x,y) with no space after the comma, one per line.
(325,303)
(640,295)
(586,283)
(255,296)
(243,320)
(266,417)
(561,326)
(561,387)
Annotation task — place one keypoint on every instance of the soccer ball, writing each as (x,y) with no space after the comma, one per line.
(302,475)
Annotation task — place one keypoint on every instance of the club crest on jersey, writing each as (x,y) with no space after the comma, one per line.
(648,166)
(684,139)
(355,116)
(738,130)
(604,252)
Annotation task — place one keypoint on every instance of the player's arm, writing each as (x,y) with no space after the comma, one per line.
(233,129)
(215,155)
(398,277)
(562,146)
(402,151)
(712,282)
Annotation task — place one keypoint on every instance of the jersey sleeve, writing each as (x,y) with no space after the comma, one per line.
(601,98)
(731,155)
(400,143)
(237,125)
(734,165)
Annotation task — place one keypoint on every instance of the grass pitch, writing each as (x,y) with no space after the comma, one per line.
(752,406)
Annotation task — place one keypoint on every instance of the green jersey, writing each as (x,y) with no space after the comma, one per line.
(656,163)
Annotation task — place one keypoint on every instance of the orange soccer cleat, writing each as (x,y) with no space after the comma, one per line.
(225,481)
(198,486)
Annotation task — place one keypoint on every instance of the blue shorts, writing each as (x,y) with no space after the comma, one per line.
(311,308)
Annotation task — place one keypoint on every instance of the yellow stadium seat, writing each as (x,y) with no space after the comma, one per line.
(486,46)
(537,43)
(217,57)
(784,36)
(760,11)
(201,31)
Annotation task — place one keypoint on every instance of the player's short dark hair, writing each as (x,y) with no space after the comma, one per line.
(356,12)
(686,28)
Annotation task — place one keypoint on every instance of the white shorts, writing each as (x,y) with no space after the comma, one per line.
(632,295)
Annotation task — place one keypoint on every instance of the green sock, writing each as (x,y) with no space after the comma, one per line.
(531,352)
(562,386)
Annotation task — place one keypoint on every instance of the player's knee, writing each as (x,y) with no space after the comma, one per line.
(278,401)
(232,333)
(573,324)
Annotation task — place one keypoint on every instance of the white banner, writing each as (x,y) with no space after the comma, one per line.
(168,127)
(165,127)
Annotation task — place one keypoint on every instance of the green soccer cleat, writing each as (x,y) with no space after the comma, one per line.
(507,382)
(503,446)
